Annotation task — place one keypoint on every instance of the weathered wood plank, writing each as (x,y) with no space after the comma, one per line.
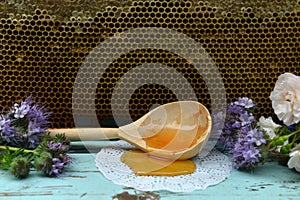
(83,181)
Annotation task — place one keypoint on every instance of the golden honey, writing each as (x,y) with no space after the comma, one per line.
(172,139)
(143,164)
(168,139)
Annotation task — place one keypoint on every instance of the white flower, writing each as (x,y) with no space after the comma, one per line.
(294,161)
(268,126)
(286,98)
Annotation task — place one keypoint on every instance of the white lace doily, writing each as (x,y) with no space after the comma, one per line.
(211,170)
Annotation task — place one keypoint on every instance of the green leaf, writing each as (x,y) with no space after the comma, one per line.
(8,155)
(6,158)
(61,138)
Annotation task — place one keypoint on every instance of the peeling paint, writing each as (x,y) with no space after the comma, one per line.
(138,195)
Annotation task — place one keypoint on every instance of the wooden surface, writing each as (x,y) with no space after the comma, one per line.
(83,181)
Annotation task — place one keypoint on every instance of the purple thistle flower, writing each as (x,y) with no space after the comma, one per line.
(52,159)
(6,130)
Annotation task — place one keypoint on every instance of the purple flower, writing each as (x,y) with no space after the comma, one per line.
(250,156)
(233,109)
(54,146)
(58,164)
(236,124)
(57,167)
(57,147)
(259,137)
(39,117)
(52,159)
(5,126)
(246,153)
(33,128)
(20,111)
(25,124)
(246,118)
(238,138)
(66,159)
(244,102)
(237,117)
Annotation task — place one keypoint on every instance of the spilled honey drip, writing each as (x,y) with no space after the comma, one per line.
(144,165)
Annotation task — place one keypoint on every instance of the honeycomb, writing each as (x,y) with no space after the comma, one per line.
(41,54)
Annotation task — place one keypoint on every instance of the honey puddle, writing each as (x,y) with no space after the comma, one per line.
(144,165)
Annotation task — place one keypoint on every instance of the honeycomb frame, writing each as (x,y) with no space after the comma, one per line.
(41,55)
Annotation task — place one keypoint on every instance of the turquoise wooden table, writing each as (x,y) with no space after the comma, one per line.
(82,180)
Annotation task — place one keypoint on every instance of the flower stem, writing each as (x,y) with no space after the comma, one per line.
(16,148)
(296,138)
